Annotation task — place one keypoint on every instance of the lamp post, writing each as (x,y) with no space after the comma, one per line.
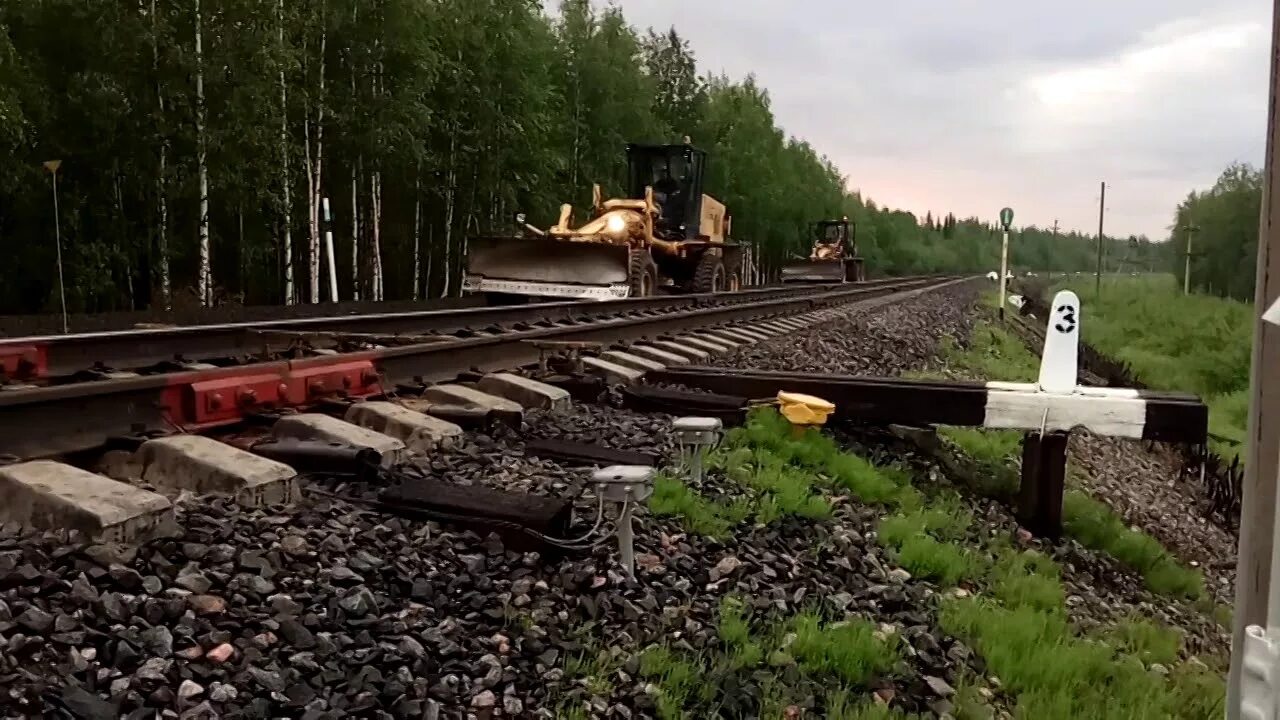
(52,166)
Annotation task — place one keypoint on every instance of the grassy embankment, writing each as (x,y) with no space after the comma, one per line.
(1011,609)
(1197,343)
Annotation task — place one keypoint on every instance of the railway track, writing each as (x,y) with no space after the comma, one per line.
(79,446)
(59,359)
(264,606)
(74,393)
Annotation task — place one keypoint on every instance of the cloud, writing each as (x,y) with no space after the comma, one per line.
(970,105)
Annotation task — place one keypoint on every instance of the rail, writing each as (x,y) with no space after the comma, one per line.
(47,358)
(83,415)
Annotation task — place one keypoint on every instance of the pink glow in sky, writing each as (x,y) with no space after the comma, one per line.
(971,105)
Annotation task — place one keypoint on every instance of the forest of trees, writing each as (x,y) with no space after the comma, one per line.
(197,138)
(1223,224)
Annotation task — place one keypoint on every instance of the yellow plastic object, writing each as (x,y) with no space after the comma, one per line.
(800,409)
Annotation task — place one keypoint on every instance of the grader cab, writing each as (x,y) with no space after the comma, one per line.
(833,258)
(665,234)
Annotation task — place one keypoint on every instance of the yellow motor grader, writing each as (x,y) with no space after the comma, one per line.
(664,236)
(833,259)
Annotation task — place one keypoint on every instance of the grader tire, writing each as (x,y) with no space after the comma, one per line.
(642,274)
(710,275)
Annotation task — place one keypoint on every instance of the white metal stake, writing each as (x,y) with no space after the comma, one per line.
(626,484)
(626,540)
(695,435)
(328,249)
(1004,268)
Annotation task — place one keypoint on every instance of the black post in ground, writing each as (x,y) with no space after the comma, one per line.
(1044,472)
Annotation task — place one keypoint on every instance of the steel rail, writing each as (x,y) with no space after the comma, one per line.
(61,419)
(59,356)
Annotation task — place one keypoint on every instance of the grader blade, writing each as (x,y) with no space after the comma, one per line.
(547,267)
(814,271)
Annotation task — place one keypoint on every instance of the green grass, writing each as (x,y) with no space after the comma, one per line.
(677,677)
(1147,641)
(785,476)
(993,451)
(1022,631)
(840,705)
(783,654)
(1198,343)
(918,540)
(782,490)
(1096,526)
(768,433)
(1026,579)
(992,353)
(672,498)
(734,629)
(1015,617)
(848,650)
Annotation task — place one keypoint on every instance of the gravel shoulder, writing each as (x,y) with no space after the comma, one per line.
(325,610)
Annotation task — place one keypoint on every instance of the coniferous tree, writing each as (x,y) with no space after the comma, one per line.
(423,122)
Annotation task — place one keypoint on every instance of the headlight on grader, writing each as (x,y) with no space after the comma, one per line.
(616,224)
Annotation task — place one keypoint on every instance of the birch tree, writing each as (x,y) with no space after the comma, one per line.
(286,182)
(191,131)
(204,282)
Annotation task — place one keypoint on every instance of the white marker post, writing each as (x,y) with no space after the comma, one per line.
(1006,219)
(1058,361)
(328,250)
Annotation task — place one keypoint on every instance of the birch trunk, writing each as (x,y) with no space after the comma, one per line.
(162,192)
(355,228)
(127,256)
(472,223)
(317,170)
(376,185)
(431,253)
(417,234)
(378,287)
(356,170)
(244,256)
(285,186)
(204,283)
(450,196)
(311,199)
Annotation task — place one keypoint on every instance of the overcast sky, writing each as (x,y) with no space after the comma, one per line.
(969,105)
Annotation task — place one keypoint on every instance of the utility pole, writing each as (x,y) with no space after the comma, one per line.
(1186,276)
(1262,458)
(1055,237)
(1102,207)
